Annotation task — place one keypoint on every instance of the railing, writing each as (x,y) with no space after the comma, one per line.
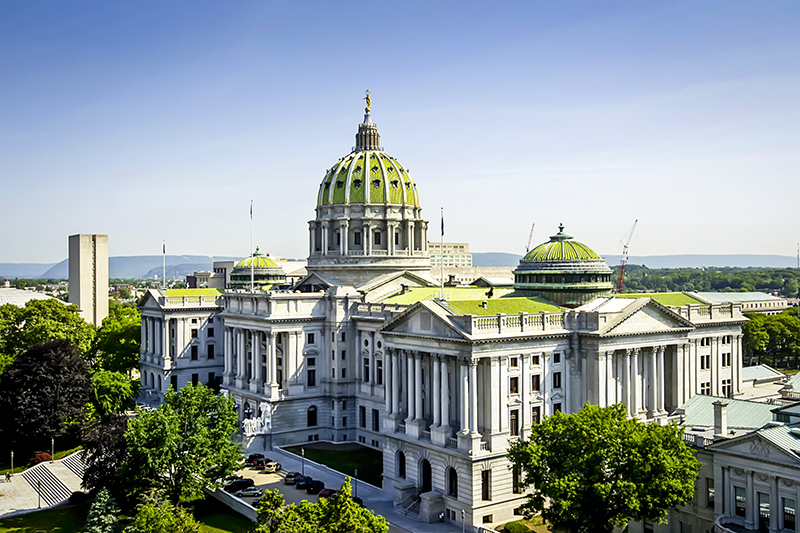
(485,446)
(426,435)
(694,312)
(698,441)
(191,300)
(522,322)
(401,427)
(452,442)
(378,308)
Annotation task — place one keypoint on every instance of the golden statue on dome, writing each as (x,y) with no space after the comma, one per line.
(369,102)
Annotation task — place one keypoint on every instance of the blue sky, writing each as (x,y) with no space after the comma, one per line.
(155,121)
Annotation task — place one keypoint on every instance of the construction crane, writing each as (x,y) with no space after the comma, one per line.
(625,242)
(530,238)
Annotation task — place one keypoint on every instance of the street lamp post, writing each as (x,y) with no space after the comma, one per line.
(52,449)
(12,462)
(463,514)
(355,483)
(303,461)
(39,490)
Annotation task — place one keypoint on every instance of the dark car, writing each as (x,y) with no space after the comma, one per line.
(302,482)
(327,493)
(262,461)
(239,484)
(292,477)
(315,486)
(253,457)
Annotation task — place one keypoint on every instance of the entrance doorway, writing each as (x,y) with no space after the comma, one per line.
(425,476)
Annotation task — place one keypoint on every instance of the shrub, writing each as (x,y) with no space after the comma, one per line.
(39,458)
(516,527)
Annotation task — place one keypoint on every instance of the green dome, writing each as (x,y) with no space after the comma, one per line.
(561,247)
(258,261)
(367,177)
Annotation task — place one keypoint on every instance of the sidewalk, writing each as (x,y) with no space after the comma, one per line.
(373,497)
(19,496)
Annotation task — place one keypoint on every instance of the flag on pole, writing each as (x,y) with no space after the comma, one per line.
(443,222)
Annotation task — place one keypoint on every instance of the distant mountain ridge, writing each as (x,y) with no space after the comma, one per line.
(141,266)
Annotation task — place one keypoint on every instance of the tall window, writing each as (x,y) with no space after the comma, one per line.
(556,380)
(727,390)
(376,239)
(486,476)
(452,482)
(705,362)
(741,501)
(536,415)
(513,422)
(513,385)
(376,420)
(210,351)
(536,383)
(789,513)
(365,377)
(362,416)
(401,465)
(705,388)
(311,416)
(357,238)
(194,352)
(311,377)
(379,371)
(515,488)
(195,379)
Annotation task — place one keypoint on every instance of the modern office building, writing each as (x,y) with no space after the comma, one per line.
(88,276)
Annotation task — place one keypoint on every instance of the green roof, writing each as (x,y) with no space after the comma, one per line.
(417,294)
(561,247)
(259,261)
(179,293)
(742,414)
(506,306)
(676,299)
(367,177)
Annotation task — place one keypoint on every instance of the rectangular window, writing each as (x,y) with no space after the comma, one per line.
(210,351)
(311,377)
(195,379)
(379,371)
(726,359)
(344,372)
(557,407)
(173,382)
(212,378)
(515,488)
(344,355)
(535,360)
(705,388)
(789,512)
(194,333)
(344,421)
(311,361)
(362,416)
(485,489)
(513,362)
(536,383)
(556,358)
(365,377)
(344,336)
(376,420)
(705,362)
(397,239)
(556,380)
(686,528)
(338,238)
(210,332)
(513,422)
(536,415)
(513,385)
(310,338)
(194,350)
(376,237)
(357,238)
(741,501)
(727,390)
(710,492)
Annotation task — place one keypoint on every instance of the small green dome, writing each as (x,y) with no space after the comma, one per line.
(258,261)
(367,177)
(561,247)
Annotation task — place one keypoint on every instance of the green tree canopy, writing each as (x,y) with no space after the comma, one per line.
(113,392)
(161,517)
(338,514)
(119,339)
(43,390)
(598,469)
(104,451)
(184,445)
(42,321)
(103,514)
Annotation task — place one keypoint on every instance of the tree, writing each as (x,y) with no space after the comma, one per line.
(42,321)
(184,445)
(103,514)
(119,339)
(113,391)
(597,469)
(41,391)
(338,514)
(161,517)
(104,451)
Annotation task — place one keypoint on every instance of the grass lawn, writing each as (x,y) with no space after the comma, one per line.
(212,515)
(535,524)
(346,458)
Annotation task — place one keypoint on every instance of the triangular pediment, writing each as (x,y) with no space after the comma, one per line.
(149,300)
(758,447)
(646,317)
(425,319)
(313,282)
(386,285)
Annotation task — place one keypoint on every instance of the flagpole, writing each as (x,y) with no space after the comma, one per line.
(441,253)
(164,264)
(252,253)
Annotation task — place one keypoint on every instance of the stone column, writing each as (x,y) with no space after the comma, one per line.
(473,390)
(143,335)
(501,413)
(395,382)
(525,413)
(388,391)
(258,379)
(227,354)
(242,340)
(774,504)
(323,234)
(751,504)
(437,387)
(312,230)
(628,393)
(390,228)
(445,392)
(679,376)
(410,242)
(410,414)
(653,379)
(418,411)
(661,379)
(736,362)
(344,230)
(636,381)
(463,409)
(367,238)
(716,367)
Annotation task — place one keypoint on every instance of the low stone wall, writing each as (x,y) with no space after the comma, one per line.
(238,505)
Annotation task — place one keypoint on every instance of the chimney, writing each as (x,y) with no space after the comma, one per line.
(485,304)
(720,419)
(403,288)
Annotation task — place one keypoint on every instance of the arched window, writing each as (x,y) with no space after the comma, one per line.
(311,416)
(401,465)
(452,482)
(159,383)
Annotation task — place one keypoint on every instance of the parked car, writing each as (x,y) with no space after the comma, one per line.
(233,477)
(252,458)
(292,477)
(327,493)
(256,503)
(302,482)
(261,462)
(239,484)
(249,492)
(315,486)
(271,467)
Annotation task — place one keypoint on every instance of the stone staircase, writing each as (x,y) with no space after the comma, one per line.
(49,487)
(75,463)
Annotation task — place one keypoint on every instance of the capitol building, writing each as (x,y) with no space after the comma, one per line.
(368,348)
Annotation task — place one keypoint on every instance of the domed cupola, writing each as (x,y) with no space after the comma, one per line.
(369,221)
(564,271)
(265,271)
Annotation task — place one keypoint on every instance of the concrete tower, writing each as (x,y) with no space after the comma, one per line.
(88,276)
